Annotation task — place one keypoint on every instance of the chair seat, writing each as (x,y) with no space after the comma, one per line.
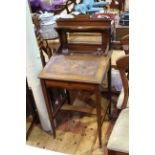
(119,139)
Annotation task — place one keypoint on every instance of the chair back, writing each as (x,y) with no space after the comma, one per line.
(118,4)
(42,48)
(123,66)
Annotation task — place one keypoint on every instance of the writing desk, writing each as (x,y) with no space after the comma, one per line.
(84,67)
(81,72)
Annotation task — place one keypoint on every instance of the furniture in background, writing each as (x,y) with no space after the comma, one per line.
(121,31)
(45,51)
(118,4)
(120,48)
(118,143)
(79,67)
(56,7)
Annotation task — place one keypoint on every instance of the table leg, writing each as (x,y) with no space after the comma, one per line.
(109,89)
(68,96)
(48,106)
(98,109)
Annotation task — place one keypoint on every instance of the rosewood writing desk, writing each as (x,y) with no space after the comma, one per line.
(81,72)
(84,67)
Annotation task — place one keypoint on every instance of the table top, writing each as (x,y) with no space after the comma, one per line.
(76,68)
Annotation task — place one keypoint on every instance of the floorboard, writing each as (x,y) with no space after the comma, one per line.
(76,133)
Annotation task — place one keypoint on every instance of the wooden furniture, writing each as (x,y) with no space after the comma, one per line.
(43,50)
(120,32)
(118,4)
(79,66)
(118,143)
(121,51)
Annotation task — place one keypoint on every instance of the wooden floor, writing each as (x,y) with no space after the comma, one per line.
(76,132)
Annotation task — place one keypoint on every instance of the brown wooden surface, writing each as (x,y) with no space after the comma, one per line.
(110,152)
(77,68)
(83,20)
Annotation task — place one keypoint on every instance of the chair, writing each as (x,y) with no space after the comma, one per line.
(118,4)
(44,52)
(124,46)
(118,143)
(57,6)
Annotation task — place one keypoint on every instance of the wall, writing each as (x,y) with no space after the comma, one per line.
(33,68)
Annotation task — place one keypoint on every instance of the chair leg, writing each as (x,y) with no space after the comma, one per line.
(98,109)
(109,90)
(110,152)
(68,96)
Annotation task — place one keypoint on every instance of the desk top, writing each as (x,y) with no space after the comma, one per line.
(76,68)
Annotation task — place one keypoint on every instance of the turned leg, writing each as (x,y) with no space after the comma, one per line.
(109,90)
(48,106)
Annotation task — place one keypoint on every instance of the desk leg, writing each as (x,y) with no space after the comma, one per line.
(109,89)
(68,96)
(48,106)
(98,109)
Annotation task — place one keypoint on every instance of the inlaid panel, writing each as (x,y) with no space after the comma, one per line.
(72,66)
(76,68)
